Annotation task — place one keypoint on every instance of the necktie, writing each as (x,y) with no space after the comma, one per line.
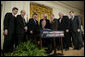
(24,21)
(35,21)
(60,20)
(72,19)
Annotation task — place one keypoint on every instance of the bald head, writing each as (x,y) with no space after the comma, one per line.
(60,15)
(23,12)
(45,16)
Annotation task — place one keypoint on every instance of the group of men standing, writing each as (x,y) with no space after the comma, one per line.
(16,29)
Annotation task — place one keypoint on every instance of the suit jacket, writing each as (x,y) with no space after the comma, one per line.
(75,24)
(64,23)
(47,23)
(9,23)
(33,26)
(20,24)
(54,24)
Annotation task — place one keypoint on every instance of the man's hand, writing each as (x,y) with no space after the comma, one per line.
(67,30)
(26,28)
(6,32)
(78,30)
(31,32)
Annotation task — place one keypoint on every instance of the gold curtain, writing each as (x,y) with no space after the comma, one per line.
(40,10)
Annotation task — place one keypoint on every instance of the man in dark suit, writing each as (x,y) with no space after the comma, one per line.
(64,26)
(47,22)
(53,23)
(33,27)
(9,30)
(70,38)
(21,27)
(54,26)
(76,30)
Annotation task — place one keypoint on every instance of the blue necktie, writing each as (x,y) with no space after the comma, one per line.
(72,19)
(35,21)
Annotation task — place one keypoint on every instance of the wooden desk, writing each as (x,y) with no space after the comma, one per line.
(54,42)
(54,34)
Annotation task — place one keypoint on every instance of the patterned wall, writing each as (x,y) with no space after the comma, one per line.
(40,10)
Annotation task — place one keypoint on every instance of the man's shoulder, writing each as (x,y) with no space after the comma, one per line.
(31,19)
(76,16)
(8,13)
(18,15)
(47,20)
(41,19)
(66,17)
(70,19)
(55,19)
(58,19)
